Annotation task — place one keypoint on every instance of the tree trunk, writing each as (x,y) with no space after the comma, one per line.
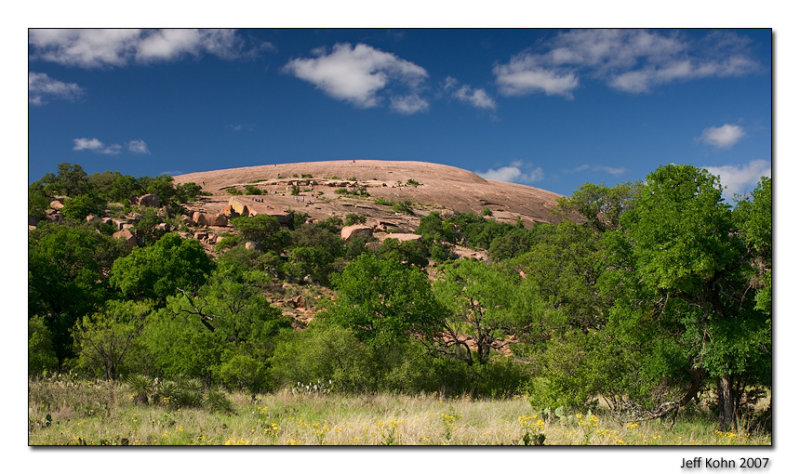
(727,420)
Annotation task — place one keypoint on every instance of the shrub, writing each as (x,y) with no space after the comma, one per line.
(403,207)
(296,190)
(324,353)
(307,175)
(41,356)
(252,190)
(351,219)
(216,401)
(233,191)
(412,182)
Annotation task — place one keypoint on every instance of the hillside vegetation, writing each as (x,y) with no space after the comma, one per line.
(641,303)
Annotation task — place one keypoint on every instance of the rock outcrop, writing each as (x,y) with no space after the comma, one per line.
(354,231)
(149,200)
(126,236)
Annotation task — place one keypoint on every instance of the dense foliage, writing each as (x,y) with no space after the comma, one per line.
(643,297)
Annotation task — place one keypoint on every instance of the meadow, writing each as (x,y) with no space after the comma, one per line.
(72,411)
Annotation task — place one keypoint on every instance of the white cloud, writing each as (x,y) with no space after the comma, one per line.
(138,146)
(737,179)
(600,168)
(516,172)
(724,136)
(41,87)
(95,145)
(475,97)
(632,61)
(519,77)
(87,144)
(409,104)
(356,74)
(118,47)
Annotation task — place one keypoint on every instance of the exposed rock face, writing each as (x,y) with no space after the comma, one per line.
(201,218)
(127,237)
(357,230)
(54,216)
(238,207)
(401,237)
(229,212)
(219,220)
(149,200)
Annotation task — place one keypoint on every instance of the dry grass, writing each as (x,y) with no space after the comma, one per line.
(86,412)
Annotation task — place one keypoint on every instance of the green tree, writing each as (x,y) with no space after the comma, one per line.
(264,230)
(224,319)
(694,265)
(484,306)
(172,263)
(108,341)
(383,301)
(67,276)
(70,180)
(41,356)
(81,206)
(600,206)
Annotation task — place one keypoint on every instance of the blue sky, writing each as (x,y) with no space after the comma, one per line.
(548,108)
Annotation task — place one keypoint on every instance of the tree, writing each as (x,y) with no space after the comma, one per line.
(601,206)
(41,356)
(693,265)
(68,270)
(71,180)
(81,206)
(264,230)
(207,333)
(107,341)
(383,301)
(485,309)
(158,271)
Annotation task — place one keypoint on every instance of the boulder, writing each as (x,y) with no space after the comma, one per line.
(135,216)
(201,235)
(149,200)
(54,216)
(219,220)
(91,218)
(229,212)
(238,207)
(357,230)
(401,237)
(298,301)
(201,218)
(163,227)
(126,236)
(119,223)
(251,246)
(57,205)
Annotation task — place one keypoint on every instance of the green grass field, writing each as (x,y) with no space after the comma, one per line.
(65,411)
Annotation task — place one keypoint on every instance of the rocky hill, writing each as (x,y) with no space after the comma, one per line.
(368,188)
